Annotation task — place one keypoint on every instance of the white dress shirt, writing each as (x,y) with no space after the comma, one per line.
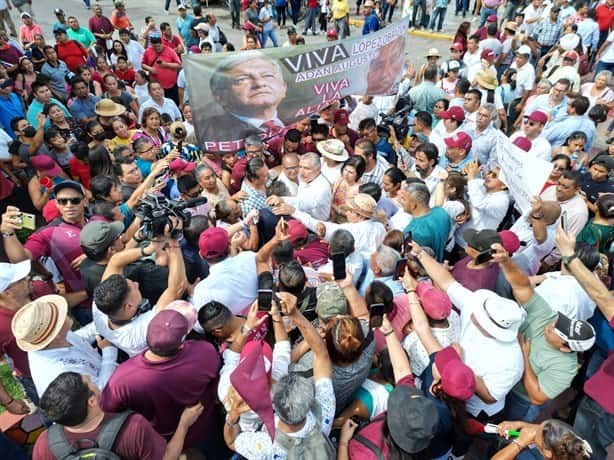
(291,185)
(331,174)
(566,295)
(168,106)
(313,198)
(532,251)
(540,147)
(487,209)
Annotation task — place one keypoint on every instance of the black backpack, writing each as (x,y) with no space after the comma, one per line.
(103,445)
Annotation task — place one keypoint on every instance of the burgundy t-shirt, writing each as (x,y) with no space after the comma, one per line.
(475,279)
(161,390)
(137,440)
(314,253)
(9,346)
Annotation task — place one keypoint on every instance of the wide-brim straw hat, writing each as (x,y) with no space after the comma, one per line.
(37,323)
(333,149)
(362,204)
(109,108)
(487,80)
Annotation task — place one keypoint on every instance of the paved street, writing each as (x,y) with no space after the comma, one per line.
(138,9)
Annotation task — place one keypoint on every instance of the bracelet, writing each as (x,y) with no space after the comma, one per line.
(517,444)
(276,320)
(410,290)
(8,235)
(6,404)
(143,251)
(386,334)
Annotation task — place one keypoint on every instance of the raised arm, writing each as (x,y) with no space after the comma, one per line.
(11,221)
(177,281)
(398,357)
(357,305)
(263,256)
(436,271)
(519,280)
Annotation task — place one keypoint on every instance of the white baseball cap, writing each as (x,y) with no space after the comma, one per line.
(11,273)
(524,49)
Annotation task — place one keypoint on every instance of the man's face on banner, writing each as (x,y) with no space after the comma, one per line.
(256,86)
(386,67)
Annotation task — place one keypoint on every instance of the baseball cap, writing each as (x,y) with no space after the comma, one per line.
(69,184)
(25,14)
(97,236)
(59,29)
(571,55)
(181,6)
(291,30)
(58,11)
(453,65)
(155,37)
(369,4)
(455,113)
(456,46)
(579,335)
(460,140)
(11,273)
(331,301)
(332,33)
(435,302)
(481,240)
(167,330)
(522,143)
(213,243)
(524,49)
(46,165)
(341,117)
(489,55)
(457,379)
(412,418)
(492,18)
(296,231)
(539,117)
(509,241)
(180,165)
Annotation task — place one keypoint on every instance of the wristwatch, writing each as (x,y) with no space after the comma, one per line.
(245,330)
(568,259)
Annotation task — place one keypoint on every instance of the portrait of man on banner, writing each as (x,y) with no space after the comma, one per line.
(249,87)
(385,71)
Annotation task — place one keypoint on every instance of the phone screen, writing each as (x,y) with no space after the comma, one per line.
(399,270)
(407,243)
(376,315)
(483,257)
(339,271)
(265,297)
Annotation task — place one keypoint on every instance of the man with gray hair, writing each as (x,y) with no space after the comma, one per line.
(381,268)
(484,135)
(429,226)
(314,195)
(249,88)
(343,241)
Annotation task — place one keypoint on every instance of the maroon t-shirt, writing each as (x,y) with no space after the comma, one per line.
(9,346)
(475,279)
(137,440)
(161,390)
(314,253)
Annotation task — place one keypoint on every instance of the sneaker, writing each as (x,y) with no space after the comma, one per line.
(412,28)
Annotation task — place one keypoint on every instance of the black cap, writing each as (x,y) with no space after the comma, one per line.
(69,184)
(291,30)
(579,335)
(481,240)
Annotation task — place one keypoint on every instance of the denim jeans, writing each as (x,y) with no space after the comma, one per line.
(296,9)
(440,12)
(270,34)
(235,12)
(485,13)
(10,450)
(167,4)
(518,408)
(422,5)
(388,10)
(604,66)
(461,7)
(595,425)
(311,20)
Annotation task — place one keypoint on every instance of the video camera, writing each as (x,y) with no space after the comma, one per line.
(398,120)
(156,211)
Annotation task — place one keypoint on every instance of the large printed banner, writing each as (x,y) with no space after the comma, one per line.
(524,174)
(236,94)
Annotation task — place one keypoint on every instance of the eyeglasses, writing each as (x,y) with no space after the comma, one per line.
(65,201)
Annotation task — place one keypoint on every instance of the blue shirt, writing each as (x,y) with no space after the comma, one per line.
(371,24)
(36,107)
(385,149)
(11,108)
(57,76)
(84,108)
(431,230)
(144,166)
(444,162)
(395,285)
(542,103)
(483,145)
(557,131)
(183,27)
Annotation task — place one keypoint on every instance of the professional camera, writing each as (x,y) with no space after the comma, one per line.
(156,211)
(398,119)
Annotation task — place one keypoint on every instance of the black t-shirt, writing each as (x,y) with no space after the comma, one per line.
(593,189)
(152,279)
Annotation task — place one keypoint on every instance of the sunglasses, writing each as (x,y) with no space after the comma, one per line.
(529,122)
(65,201)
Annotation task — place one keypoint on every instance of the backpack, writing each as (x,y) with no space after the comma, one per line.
(103,445)
(316,446)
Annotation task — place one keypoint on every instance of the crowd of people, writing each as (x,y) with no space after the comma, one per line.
(347,288)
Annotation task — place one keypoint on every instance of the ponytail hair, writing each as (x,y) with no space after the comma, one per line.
(563,442)
(344,339)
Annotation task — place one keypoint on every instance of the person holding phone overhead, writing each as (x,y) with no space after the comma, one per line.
(476,271)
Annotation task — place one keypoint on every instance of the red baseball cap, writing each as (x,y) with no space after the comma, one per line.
(571,54)
(453,113)
(331,33)
(492,18)
(523,143)
(341,117)
(457,379)
(489,55)
(539,117)
(167,330)
(213,243)
(460,140)
(510,241)
(46,165)
(435,303)
(457,46)
(296,231)
(180,165)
